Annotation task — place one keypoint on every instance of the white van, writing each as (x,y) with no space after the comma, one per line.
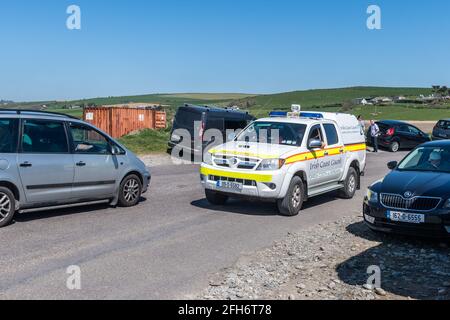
(288,158)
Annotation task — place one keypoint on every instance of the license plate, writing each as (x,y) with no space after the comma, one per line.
(406,217)
(233,186)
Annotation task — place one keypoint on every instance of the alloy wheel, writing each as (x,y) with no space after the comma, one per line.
(5,206)
(395,147)
(296,196)
(351,184)
(131,190)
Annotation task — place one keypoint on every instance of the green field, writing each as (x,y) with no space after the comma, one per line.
(336,100)
(339,100)
(332,100)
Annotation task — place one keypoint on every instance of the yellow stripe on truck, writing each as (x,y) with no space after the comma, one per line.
(325,153)
(236,175)
(356,147)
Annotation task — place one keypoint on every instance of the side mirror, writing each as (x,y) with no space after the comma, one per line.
(115,150)
(314,144)
(392,165)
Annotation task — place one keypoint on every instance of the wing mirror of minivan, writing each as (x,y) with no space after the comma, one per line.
(314,144)
(392,165)
(115,150)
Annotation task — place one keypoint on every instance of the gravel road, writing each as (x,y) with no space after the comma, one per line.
(333,261)
(167,247)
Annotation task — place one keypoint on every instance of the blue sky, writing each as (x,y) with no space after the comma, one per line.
(252,46)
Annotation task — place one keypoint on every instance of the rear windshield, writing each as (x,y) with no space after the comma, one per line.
(384,127)
(444,124)
(289,134)
(186,119)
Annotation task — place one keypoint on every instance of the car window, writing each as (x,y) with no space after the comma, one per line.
(44,136)
(413,130)
(316,134)
(444,124)
(403,128)
(8,135)
(88,141)
(331,133)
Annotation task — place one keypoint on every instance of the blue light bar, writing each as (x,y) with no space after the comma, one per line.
(278,114)
(311,115)
(284,114)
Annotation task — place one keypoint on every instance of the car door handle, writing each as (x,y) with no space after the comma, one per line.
(81,164)
(26,165)
(326,153)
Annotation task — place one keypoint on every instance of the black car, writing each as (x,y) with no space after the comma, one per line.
(396,135)
(441,130)
(415,197)
(197,119)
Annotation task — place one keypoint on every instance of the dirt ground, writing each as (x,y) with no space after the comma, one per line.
(425,126)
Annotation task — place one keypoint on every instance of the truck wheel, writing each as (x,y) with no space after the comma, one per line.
(130,191)
(350,184)
(215,198)
(292,204)
(7,206)
(394,147)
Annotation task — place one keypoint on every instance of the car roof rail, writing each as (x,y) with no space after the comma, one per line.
(38,112)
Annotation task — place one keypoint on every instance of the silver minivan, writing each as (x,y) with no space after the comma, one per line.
(50,160)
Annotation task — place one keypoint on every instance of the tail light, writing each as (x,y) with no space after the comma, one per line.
(390,132)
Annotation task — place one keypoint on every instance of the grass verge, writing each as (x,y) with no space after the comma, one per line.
(147,141)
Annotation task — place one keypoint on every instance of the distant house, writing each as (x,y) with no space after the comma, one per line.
(430,98)
(399,98)
(378,100)
(5,102)
(362,101)
(71,107)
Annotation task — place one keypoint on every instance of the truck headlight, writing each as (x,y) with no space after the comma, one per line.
(271,164)
(207,159)
(372,196)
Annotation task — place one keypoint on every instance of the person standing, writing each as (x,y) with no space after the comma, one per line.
(374,133)
(362,124)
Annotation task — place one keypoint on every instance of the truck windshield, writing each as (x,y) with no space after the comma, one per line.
(434,159)
(289,134)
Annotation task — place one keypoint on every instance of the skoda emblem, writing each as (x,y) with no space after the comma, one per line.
(408,194)
(234,162)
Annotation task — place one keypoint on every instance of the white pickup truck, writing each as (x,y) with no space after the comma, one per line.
(288,159)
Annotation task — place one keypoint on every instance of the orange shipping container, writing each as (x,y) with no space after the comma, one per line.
(120,121)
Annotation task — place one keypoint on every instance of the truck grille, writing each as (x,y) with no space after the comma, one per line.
(235,162)
(395,201)
(243,181)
